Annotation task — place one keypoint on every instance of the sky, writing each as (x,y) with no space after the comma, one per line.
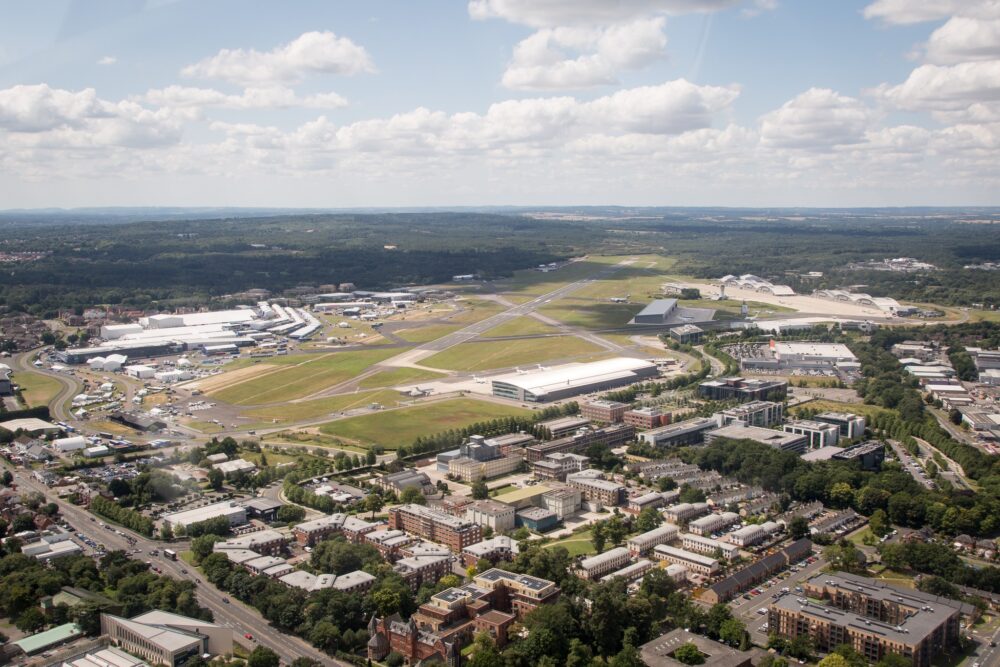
(330,103)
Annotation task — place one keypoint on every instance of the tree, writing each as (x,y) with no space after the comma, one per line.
(215,479)
(879,523)
(8,478)
(798,528)
(290,513)
(479,490)
(31,620)
(648,519)
(616,529)
(689,654)
(598,536)
(166,532)
(374,503)
(845,556)
(733,632)
(841,494)
(203,545)
(412,494)
(394,659)
(262,656)
(485,653)
(833,660)
(370,458)
(893,660)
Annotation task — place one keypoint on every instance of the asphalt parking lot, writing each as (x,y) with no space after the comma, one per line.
(748,611)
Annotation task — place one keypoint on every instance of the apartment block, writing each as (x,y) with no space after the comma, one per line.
(595,567)
(713,523)
(643,543)
(435,526)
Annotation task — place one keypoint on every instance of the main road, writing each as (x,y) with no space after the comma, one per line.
(69,388)
(233,614)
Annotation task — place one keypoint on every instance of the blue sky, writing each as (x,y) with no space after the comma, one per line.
(428,102)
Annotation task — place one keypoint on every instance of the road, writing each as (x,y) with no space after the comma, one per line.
(69,386)
(984,654)
(236,615)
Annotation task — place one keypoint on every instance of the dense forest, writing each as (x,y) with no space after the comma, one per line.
(93,258)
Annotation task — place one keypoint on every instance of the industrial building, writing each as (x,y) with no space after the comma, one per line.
(873,617)
(573,379)
(788,442)
(687,334)
(885,304)
(237,515)
(657,312)
(749,281)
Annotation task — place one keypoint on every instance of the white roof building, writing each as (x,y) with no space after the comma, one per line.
(237,514)
(572,379)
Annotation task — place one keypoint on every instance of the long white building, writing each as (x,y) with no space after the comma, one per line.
(609,561)
(573,379)
(644,542)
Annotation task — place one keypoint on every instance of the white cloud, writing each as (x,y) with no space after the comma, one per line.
(541,61)
(107,60)
(817,119)
(276,97)
(964,39)
(552,13)
(904,12)
(310,53)
(37,108)
(946,88)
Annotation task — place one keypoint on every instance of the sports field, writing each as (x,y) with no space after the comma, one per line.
(37,389)
(509,353)
(320,407)
(520,326)
(393,428)
(392,377)
(298,376)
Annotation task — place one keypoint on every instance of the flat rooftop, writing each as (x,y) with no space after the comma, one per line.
(578,374)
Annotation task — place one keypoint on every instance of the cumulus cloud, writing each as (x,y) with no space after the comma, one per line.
(275,97)
(946,88)
(541,61)
(817,119)
(309,53)
(905,12)
(41,116)
(107,60)
(964,39)
(759,7)
(552,13)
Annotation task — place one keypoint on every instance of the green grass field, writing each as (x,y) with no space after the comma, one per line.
(534,283)
(476,310)
(427,333)
(504,354)
(520,326)
(392,377)
(394,428)
(311,374)
(37,389)
(591,314)
(320,407)
(823,405)
(577,545)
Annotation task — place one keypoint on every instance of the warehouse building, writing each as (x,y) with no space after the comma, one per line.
(237,515)
(657,312)
(802,356)
(573,379)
